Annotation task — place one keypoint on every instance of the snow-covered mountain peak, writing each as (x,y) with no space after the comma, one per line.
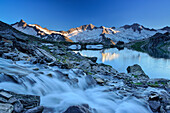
(21,23)
(38,31)
(90,33)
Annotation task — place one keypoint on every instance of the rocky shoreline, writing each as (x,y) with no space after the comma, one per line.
(156,46)
(133,82)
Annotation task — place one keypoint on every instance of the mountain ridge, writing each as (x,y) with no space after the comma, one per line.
(91,33)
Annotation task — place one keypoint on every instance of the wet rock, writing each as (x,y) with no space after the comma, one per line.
(1,53)
(103,69)
(18,107)
(59,64)
(33,60)
(59,52)
(167,107)
(36,69)
(78,72)
(6,108)
(9,55)
(48,59)
(90,80)
(154,96)
(93,59)
(3,100)
(41,61)
(155,105)
(8,78)
(50,75)
(78,109)
(18,103)
(25,48)
(38,109)
(28,101)
(136,70)
(85,65)
(99,81)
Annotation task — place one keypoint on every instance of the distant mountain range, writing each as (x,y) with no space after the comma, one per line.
(90,33)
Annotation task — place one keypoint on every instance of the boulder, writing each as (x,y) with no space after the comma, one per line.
(90,80)
(99,81)
(155,105)
(136,70)
(79,109)
(18,107)
(38,109)
(93,59)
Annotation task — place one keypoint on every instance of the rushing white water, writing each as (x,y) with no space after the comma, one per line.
(60,92)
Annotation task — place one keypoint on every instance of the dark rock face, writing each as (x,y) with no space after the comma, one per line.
(22,23)
(158,39)
(158,45)
(107,41)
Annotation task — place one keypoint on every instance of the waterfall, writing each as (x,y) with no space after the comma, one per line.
(61,88)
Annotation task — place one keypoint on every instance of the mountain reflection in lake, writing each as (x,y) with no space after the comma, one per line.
(120,60)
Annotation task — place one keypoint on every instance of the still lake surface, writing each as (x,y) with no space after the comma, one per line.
(121,59)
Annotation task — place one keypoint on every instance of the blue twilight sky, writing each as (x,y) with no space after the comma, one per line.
(65,14)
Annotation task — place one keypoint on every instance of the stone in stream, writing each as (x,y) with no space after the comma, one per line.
(10,56)
(90,80)
(155,105)
(18,107)
(99,81)
(38,109)
(79,109)
(8,78)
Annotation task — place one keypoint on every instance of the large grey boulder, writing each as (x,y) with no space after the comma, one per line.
(136,71)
